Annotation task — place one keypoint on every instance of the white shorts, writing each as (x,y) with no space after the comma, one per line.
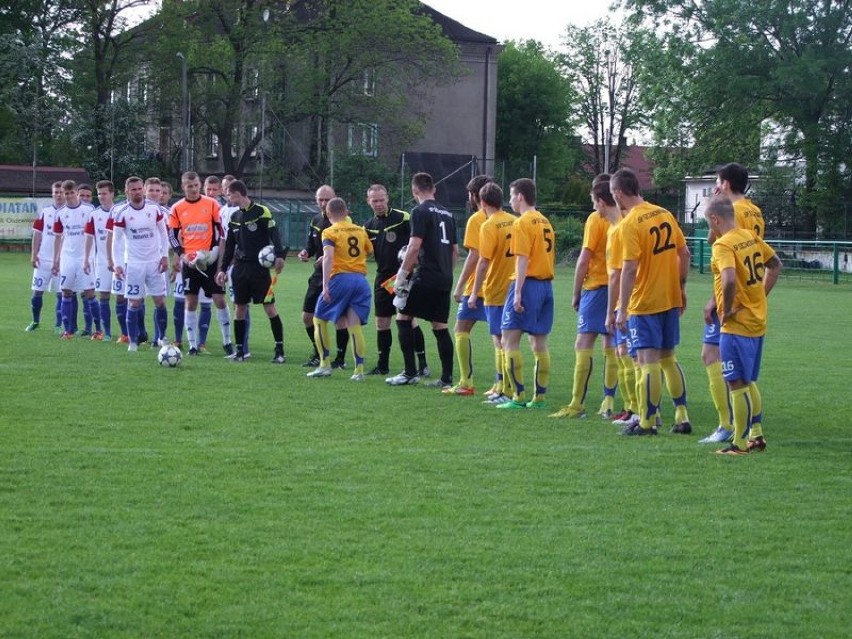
(103,277)
(44,279)
(177,286)
(118,285)
(165,277)
(73,277)
(142,277)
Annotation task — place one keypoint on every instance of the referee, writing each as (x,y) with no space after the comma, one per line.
(388,230)
(250,228)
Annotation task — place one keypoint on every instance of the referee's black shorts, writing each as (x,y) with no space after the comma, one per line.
(251,283)
(313,293)
(428,304)
(382,300)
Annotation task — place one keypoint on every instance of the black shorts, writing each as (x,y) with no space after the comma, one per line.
(194,281)
(382,300)
(252,284)
(313,293)
(428,304)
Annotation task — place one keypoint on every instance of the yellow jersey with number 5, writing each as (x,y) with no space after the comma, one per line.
(533,237)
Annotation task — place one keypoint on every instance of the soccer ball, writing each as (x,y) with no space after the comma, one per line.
(266,257)
(401,254)
(169,356)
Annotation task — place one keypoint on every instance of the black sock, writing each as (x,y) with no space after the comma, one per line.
(406,345)
(277,329)
(342,343)
(420,346)
(310,332)
(239,333)
(384,341)
(445,352)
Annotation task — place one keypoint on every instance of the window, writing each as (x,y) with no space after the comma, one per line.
(251,134)
(370,82)
(212,145)
(252,83)
(364,139)
(142,90)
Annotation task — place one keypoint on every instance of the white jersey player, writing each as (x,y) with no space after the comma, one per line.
(142,226)
(42,257)
(73,222)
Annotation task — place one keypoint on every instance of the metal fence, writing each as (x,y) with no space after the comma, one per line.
(824,261)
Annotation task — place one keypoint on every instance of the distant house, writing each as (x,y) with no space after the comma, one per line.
(633,157)
(460,125)
(697,192)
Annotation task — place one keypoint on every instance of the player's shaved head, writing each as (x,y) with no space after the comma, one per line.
(720,206)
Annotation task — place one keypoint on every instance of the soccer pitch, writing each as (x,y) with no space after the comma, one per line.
(245,500)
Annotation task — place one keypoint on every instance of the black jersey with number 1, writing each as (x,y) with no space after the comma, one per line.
(435,226)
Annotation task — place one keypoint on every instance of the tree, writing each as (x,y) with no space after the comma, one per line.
(785,65)
(600,62)
(309,62)
(534,116)
(33,41)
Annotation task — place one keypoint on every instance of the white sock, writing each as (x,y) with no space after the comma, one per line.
(224,317)
(190,325)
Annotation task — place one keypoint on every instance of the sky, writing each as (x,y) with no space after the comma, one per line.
(542,20)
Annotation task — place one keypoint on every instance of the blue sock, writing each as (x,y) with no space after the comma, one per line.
(106,319)
(248,327)
(67,309)
(204,318)
(36,302)
(133,315)
(87,314)
(142,330)
(58,310)
(161,319)
(75,309)
(121,316)
(157,334)
(177,314)
(95,312)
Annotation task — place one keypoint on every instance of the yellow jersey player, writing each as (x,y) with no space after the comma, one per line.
(745,268)
(345,291)
(732,182)
(492,277)
(651,299)
(529,301)
(468,312)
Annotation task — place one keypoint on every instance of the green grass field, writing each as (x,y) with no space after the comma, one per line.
(245,500)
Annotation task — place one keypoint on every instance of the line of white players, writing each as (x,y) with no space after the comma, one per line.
(70,253)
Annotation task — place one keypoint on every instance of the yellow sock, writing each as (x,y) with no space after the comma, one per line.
(513,374)
(741,406)
(719,393)
(359,347)
(756,411)
(651,392)
(676,385)
(322,340)
(542,375)
(499,384)
(639,376)
(582,373)
(465,357)
(628,384)
(610,372)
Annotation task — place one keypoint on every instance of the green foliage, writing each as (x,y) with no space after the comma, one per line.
(724,67)
(534,117)
(353,172)
(600,61)
(569,235)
